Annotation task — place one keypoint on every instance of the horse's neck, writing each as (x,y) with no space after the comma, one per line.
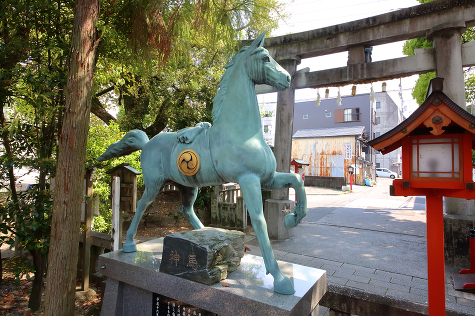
(240,110)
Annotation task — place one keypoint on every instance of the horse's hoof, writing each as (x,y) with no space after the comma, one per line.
(290,220)
(284,286)
(129,246)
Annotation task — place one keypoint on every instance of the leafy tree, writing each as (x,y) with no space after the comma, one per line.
(68,193)
(155,35)
(159,68)
(197,38)
(99,137)
(33,50)
(422,84)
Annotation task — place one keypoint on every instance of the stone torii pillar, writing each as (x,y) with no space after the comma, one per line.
(447,41)
(284,125)
(459,213)
(279,204)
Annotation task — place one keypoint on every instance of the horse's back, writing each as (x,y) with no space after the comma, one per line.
(161,158)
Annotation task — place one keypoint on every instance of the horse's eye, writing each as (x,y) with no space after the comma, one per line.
(266,59)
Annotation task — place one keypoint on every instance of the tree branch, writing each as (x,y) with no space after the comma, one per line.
(101,93)
(98,110)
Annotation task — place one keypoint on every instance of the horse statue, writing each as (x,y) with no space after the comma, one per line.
(231,150)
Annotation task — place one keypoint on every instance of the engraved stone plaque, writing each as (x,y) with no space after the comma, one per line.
(204,255)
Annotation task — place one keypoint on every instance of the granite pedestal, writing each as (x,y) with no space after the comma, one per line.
(134,281)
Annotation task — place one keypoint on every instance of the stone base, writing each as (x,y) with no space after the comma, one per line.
(133,278)
(457,241)
(274,213)
(461,279)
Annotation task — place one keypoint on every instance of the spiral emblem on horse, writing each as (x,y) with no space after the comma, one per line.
(188,162)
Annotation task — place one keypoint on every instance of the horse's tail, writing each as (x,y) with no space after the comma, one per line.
(132,141)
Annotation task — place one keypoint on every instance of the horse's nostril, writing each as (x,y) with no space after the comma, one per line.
(288,79)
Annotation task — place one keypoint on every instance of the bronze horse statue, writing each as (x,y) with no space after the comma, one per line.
(233,149)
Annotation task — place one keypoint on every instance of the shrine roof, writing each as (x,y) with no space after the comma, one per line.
(300,162)
(329,132)
(436,101)
(124,165)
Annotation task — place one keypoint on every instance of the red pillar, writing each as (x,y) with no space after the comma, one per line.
(472,258)
(435,255)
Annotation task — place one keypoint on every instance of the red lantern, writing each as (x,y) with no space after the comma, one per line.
(437,142)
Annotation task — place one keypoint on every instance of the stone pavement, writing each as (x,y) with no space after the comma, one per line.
(370,243)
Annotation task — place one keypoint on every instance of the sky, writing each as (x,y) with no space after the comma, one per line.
(306,15)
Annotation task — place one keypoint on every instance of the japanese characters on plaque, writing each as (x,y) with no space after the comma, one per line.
(190,259)
(347,150)
(165,306)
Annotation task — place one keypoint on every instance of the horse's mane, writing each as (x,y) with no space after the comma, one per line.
(223,84)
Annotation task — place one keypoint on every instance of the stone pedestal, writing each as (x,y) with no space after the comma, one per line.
(274,213)
(456,238)
(134,282)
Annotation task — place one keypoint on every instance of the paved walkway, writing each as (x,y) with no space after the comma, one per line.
(368,241)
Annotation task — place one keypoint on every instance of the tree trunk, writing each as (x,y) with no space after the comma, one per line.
(68,191)
(35,296)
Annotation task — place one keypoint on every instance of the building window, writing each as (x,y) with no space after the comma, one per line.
(266,128)
(351,115)
(378,105)
(378,165)
(328,114)
(378,120)
(305,116)
(377,134)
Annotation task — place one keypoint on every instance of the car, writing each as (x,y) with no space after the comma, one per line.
(386,173)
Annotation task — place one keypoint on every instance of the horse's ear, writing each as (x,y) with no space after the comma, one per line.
(258,42)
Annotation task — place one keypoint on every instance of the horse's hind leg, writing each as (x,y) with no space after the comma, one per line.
(285,180)
(251,192)
(188,197)
(148,197)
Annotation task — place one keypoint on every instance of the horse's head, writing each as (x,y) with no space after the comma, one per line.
(263,69)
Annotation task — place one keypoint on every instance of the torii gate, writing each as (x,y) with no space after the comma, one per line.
(442,21)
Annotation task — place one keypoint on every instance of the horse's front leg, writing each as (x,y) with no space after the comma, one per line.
(251,191)
(284,180)
(148,197)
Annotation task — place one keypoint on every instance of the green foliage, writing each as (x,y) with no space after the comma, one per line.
(20,267)
(164,59)
(203,200)
(103,223)
(99,138)
(420,89)
(265,113)
(470,88)
(34,49)
(412,44)
(27,224)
